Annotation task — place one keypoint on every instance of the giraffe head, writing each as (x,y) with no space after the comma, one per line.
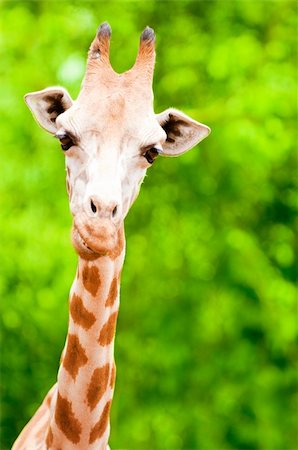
(110,136)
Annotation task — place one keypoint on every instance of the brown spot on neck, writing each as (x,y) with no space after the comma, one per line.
(98,385)
(112,295)
(107,332)
(50,437)
(113,376)
(66,420)
(80,315)
(100,427)
(91,279)
(75,356)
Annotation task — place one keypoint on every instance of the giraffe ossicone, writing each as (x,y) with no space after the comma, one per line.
(110,136)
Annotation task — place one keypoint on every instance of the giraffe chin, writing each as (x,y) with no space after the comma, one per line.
(94,240)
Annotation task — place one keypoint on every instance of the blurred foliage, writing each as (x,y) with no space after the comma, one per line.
(206,335)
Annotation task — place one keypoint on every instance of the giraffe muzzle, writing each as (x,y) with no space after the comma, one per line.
(93,236)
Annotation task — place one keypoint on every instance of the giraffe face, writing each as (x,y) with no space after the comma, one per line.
(110,136)
(107,155)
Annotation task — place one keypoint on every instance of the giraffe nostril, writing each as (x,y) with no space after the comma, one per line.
(93,207)
(114,212)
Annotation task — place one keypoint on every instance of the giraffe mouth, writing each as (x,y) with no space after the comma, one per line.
(84,244)
(93,238)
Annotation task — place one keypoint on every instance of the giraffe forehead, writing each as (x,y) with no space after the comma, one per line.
(112,105)
(126,85)
(112,114)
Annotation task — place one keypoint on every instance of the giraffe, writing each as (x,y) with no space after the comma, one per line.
(110,136)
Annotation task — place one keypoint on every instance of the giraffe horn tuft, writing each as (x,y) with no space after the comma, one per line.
(104,30)
(148,35)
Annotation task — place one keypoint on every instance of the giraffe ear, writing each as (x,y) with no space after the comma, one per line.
(47,105)
(183,133)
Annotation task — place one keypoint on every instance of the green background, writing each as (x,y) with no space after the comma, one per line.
(205,345)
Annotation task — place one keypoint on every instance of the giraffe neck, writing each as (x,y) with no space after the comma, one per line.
(81,407)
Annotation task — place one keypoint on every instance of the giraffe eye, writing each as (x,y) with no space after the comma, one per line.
(65,141)
(151,154)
